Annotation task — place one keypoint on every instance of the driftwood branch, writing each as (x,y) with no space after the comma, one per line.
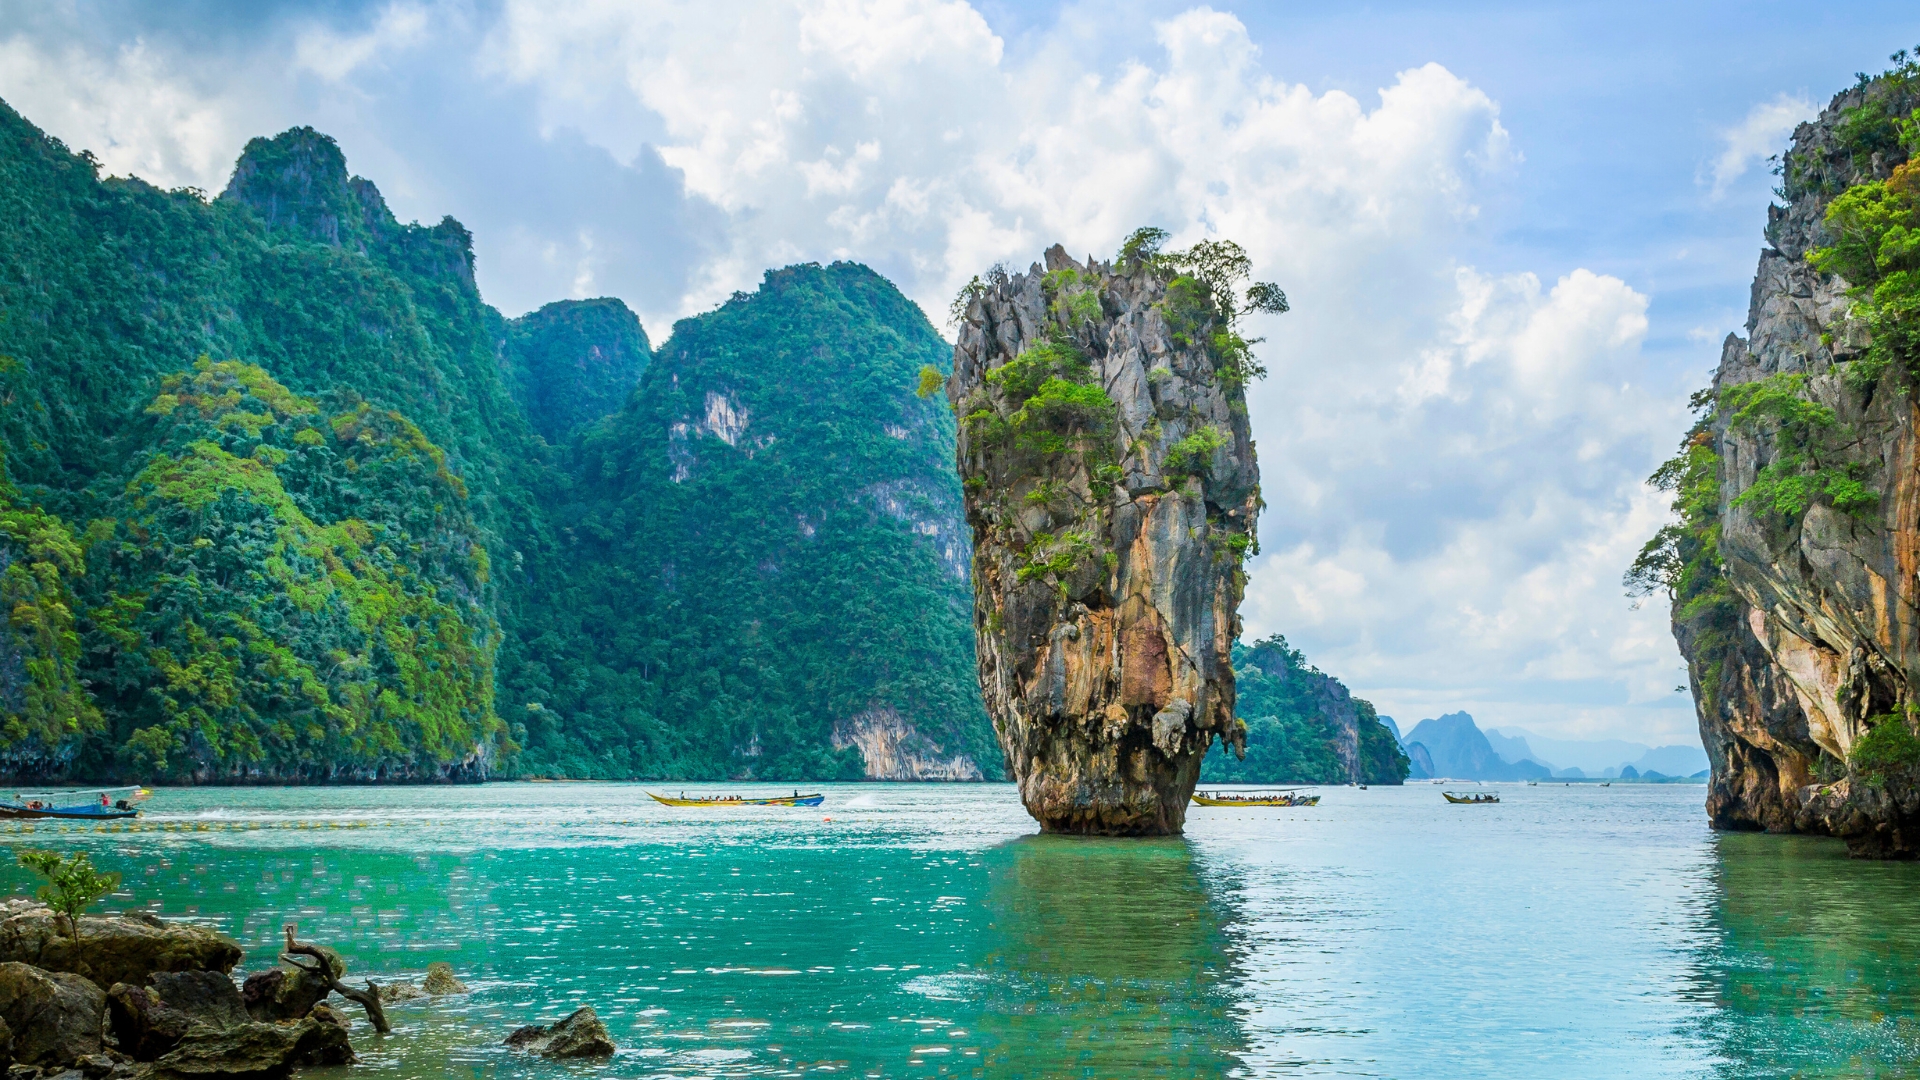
(368,999)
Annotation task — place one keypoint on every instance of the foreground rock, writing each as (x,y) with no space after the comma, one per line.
(438,983)
(288,993)
(580,1035)
(252,1048)
(1796,600)
(440,979)
(55,1017)
(393,992)
(127,948)
(148,1021)
(1111,486)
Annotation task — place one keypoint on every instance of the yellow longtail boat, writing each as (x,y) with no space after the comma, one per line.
(1255,798)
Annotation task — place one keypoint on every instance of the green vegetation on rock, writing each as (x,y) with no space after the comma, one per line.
(1889,745)
(1810,446)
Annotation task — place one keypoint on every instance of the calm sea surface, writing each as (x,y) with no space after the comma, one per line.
(905,931)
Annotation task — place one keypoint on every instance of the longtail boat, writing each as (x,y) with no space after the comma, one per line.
(86,804)
(795,799)
(1255,798)
(1474,799)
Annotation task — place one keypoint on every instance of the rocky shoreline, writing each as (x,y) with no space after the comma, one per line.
(135,997)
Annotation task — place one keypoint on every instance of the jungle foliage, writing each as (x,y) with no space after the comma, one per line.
(1294,712)
(285,500)
(754,549)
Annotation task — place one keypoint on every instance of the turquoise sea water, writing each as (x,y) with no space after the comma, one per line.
(905,931)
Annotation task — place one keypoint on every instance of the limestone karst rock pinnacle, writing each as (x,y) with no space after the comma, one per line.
(1794,569)
(1112,490)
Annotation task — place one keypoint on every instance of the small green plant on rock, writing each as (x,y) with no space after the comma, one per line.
(1888,745)
(73,885)
(964,299)
(1204,302)
(931,381)
(1054,557)
(1806,438)
(1193,455)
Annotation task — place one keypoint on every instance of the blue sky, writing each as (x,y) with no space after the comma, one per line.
(1514,235)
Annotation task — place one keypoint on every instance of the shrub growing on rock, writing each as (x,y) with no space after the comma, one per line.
(73,885)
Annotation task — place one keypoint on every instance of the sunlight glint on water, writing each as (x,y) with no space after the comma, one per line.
(924,931)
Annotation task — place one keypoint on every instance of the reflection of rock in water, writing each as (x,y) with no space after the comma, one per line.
(1809,967)
(1106,958)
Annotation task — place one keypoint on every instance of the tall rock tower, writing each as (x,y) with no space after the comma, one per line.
(1795,568)
(1112,490)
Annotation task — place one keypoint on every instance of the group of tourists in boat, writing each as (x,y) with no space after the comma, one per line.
(1254,798)
(795,799)
(1474,798)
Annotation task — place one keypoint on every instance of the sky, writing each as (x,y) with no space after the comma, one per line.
(1513,235)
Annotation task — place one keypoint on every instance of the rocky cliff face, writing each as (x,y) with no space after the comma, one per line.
(1111,486)
(1797,603)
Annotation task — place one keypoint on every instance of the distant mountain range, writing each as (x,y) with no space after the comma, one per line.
(1454,747)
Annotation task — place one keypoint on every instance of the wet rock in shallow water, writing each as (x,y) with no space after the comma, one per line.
(56,1017)
(1111,486)
(440,979)
(289,993)
(257,1049)
(580,1035)
(149,1021)
(127,948)
(400,991)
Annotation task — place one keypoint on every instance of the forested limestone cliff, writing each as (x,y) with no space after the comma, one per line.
(1303,726)
(759,567)
(286,500)
(1112,490)
(1795,571)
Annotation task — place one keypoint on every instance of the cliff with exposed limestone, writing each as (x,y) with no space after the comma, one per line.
(1796,568)
(1112,490)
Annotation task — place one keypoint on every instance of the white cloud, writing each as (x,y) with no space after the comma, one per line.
(1473,556)
(831,128)
(1451,456)
(334,56)
(129,108)
(1762,133)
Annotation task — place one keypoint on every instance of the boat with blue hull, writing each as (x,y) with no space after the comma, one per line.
(85,804)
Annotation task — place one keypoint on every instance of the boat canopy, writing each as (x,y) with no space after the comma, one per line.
(130,794)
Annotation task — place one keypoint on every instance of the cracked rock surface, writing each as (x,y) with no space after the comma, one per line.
(1112,490)
(1819,638)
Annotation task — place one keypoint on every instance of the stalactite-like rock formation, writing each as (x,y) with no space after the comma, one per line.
(1112,490)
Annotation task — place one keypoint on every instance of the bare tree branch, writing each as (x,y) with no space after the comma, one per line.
(368,999)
